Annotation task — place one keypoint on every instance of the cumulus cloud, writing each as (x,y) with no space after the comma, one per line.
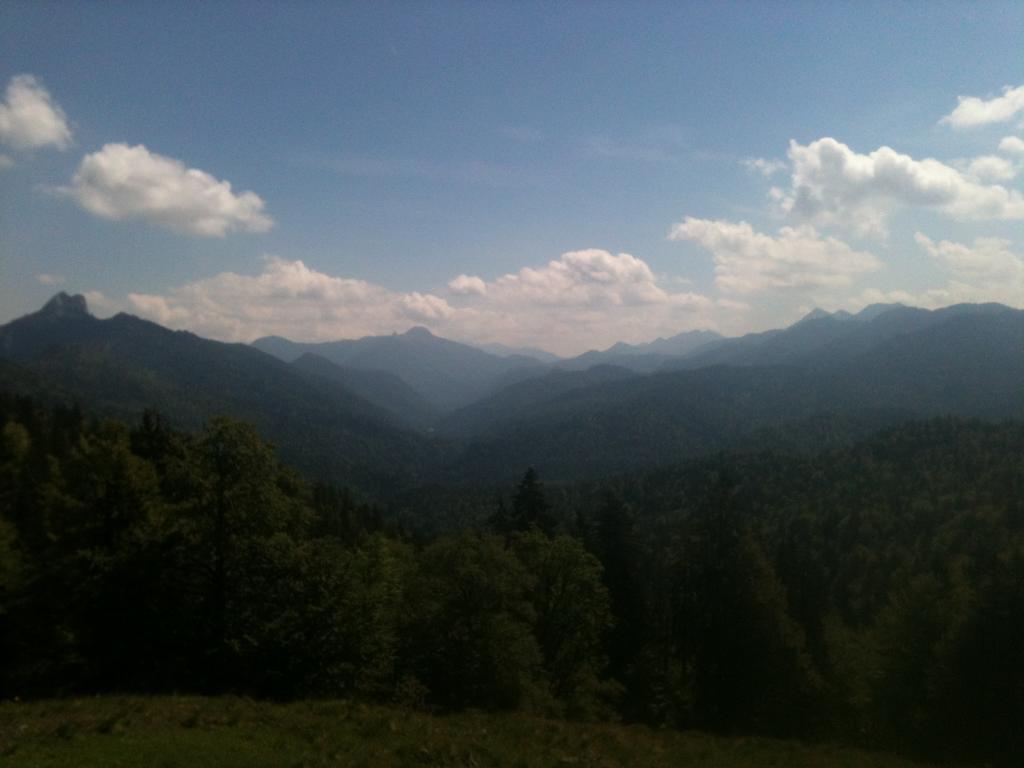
(991,168)
(1012,145)
(749,262)
(972,111)
(466,285)
(589,278)
(765,167)
(30,118)
(48,279)
(124,182)
(581,300)
(833,185)
(289,299)
(424,307)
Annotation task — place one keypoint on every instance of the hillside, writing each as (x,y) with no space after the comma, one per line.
(445,373)
(124,365)
(962,363)
(645,358)
(385,390)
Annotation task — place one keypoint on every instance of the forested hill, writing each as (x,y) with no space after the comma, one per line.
(872,594)
(967,364)
(444,372)
(123,365)
(821,336)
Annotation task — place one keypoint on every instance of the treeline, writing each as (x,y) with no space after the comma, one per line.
(874,594)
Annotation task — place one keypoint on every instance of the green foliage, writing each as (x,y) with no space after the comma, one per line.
(871,594)
(471,625)
(570,604)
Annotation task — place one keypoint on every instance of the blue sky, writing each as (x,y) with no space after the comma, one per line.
(559,175)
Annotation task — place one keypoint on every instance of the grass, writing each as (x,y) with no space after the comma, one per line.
(194,732)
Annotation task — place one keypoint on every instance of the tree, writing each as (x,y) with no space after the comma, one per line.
(572,615)
(617,547)
(237,502)
(469,635)
(530,509)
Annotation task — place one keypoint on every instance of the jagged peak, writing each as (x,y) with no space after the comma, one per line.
(63,305)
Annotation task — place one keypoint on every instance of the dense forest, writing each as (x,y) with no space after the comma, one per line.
(872,594)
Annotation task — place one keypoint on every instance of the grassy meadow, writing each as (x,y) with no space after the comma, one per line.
(196,732)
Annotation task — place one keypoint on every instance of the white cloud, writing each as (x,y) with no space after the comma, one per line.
(766,168)
(30,118)
(6,161)
(748,262)
(100,305)
(581,300)
(466,285)
(48,279)
(589,278)
(123,182)
(833,185)
(424,307)
(1012,145)
(991,168)
(972,111)
(289,299)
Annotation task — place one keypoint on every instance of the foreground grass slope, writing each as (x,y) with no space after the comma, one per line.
(198,732)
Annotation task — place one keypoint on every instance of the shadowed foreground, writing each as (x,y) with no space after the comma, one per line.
(196,732)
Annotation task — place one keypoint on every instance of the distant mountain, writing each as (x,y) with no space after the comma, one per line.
(122,365)
(381,388)
(445,373)
(820,334)
(644,358)
(818,383)
(501,350)
(516,401)
(966,361)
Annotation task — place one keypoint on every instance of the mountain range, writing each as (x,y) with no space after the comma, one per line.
(445,373)
(392,412)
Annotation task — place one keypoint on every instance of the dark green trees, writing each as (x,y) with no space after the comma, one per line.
(470,640)
(530,510)
(874,594)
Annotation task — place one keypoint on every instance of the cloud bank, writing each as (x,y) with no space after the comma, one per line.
(581,299)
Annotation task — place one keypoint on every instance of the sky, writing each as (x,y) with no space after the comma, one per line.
(558,175)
